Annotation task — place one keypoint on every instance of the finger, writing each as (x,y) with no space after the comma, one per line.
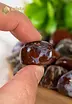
(22,88)
(18,24)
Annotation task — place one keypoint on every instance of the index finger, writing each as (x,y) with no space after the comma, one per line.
(18,24)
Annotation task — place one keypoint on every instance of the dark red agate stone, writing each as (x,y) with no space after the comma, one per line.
(38,53)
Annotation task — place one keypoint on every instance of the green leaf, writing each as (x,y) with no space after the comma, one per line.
(50,10)
(55,2)
(68,15)
(39,17)
(51,26)
(40,2)
(59,14)
(66,1)
(31,9)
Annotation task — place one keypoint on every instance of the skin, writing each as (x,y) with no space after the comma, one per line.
(22,88)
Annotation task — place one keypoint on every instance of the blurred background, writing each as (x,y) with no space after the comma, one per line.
(50,15)
(47,16)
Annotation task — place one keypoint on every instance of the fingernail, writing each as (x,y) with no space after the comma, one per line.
(40,37)
(39,73)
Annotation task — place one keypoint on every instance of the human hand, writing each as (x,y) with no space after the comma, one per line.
(23,86)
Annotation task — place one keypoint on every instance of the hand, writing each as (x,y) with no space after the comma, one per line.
(22,88)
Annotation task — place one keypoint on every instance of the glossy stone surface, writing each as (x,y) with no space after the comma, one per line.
(65,84)
(51,76)
(38,53)
(65,47)
(65,62)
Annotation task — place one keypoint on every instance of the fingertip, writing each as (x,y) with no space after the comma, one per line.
(36,71)
(18,24)
(22,88)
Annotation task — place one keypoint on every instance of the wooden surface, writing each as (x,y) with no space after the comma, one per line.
(45,96)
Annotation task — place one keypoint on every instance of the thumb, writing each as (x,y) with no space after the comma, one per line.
(22,88)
